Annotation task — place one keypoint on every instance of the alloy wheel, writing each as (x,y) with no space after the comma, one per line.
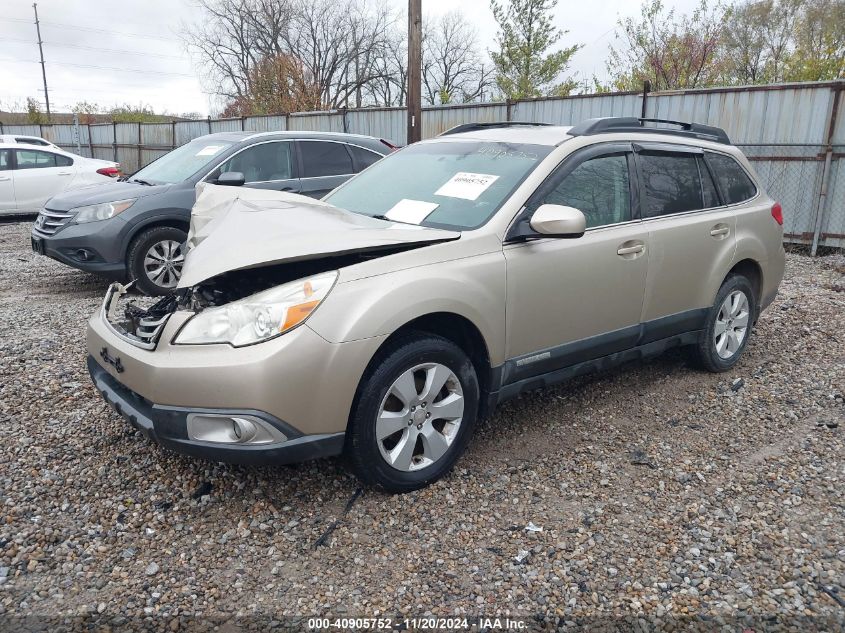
(163,263)
(419,417)
(731,325)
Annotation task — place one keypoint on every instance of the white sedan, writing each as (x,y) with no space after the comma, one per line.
(29,176)
(27,140)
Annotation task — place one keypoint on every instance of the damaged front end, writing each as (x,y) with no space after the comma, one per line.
(140,326)
(258,263)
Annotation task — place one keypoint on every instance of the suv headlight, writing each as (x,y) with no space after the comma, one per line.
(102,211)
(259,317)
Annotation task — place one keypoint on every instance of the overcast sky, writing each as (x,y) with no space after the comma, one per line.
(129,51)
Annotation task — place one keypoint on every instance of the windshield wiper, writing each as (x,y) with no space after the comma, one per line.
(141,182)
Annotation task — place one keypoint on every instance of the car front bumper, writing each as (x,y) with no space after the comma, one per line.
(167,426)
(298,384)
(95,247)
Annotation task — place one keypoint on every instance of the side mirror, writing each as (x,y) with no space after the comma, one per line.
(230,179)
(555,220)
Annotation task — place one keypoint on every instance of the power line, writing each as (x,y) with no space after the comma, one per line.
(92,29)
(112,68)
(95,48)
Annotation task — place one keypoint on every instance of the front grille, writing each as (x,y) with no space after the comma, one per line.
(140,326)
(148,328)
(50,221)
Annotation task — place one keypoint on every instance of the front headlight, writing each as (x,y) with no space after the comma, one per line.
(259,317)
(102,211)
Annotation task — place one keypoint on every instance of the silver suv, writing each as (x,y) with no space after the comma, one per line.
(461,271)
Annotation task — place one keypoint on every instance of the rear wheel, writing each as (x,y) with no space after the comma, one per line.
(414,414)
(155,259)
(728,326)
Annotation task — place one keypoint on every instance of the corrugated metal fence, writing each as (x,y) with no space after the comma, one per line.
(794,134)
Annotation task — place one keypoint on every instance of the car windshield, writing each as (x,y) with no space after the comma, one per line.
(182,163)
(448,184)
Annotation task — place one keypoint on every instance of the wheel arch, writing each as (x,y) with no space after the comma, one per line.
(456,328)
(751,270)
(171,221)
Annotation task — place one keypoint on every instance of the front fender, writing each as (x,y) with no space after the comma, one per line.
(472,287)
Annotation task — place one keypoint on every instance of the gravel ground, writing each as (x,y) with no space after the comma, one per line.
(659,493)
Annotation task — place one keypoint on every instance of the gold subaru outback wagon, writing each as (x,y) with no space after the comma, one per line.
(384,320)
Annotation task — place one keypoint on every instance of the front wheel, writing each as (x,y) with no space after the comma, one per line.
(155,259)
(414,414)
(728,326)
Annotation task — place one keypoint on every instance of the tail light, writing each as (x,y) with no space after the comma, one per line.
(390,145)
(111,172)
(777,213)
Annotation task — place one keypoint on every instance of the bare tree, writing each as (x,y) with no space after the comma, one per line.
(391,87)
(453,67)
(234,37)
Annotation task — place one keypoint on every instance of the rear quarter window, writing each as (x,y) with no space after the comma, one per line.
(734,183)
(671,183)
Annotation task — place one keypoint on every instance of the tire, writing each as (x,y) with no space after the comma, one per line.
(719,352)
(434,432)
(155,245)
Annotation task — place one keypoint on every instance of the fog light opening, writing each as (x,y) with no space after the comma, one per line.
(232,429)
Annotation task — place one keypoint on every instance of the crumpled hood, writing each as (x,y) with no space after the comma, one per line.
(233,228)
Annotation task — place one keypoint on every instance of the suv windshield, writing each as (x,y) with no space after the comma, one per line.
(182,163)
(448,184)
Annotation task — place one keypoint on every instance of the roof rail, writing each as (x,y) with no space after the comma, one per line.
(470,127)
(609,125)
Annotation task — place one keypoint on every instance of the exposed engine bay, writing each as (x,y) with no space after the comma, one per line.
(238,284)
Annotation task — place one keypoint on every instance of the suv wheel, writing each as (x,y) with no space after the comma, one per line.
(728,325)
(155,259)
(414,414)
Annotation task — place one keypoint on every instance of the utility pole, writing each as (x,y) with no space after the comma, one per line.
(43,67)
(414,71)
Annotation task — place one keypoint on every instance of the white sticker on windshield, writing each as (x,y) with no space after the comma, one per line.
(466,185)
(209,150)
(411,211)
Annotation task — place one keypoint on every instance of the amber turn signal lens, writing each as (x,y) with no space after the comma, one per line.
(298,313)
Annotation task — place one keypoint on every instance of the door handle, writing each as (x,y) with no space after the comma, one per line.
(720,230)
(632,249)
(65,173)
(286,189)
(4,178)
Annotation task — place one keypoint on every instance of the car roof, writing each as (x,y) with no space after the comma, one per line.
(238,137)
(528,133)
(32,136)
(13,145)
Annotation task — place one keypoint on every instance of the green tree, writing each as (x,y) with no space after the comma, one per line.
(819,46)
(135,114)
(86,111)
(33,111)
(524,68)
(670,51)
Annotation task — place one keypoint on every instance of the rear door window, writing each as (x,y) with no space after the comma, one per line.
(322,158)
(671,183)
(34,159)
(362,158)
(63,161)
(734,183)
